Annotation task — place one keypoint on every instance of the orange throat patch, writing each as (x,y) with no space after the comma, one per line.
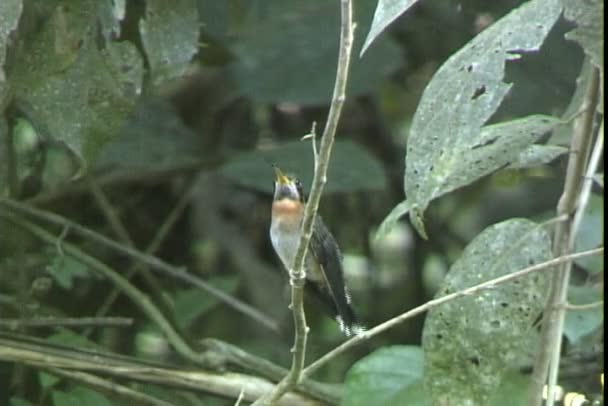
(288,209)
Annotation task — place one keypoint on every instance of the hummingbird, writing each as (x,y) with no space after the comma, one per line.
(323,264)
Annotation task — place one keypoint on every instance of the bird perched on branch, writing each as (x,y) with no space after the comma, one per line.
(323,265)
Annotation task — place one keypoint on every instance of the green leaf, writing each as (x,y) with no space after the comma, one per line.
(386,12)
(351,168)
(170,33)
(64,270)
(591,234)
(69,87)
(536,155)
(299,64)
(562,134)
(446,146)
(80,396)
(70,339)
(381,377)
(47,380)
(111,14)
(15,401)
(155,138)
(192,303)
(389,222)
(10,11)
(589,18)
(470,343)
(513,390)
(579,323)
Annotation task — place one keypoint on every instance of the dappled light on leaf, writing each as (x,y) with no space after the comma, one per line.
(471,342)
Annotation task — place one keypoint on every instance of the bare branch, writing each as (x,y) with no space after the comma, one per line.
(225,384)
(547,360)
(151,261)
(15,324)
(112,389)
(297,273)
(439,301)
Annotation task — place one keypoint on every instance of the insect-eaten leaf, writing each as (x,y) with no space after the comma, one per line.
(447,146)
(470,343)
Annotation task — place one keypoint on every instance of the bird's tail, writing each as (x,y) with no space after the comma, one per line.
(346,317)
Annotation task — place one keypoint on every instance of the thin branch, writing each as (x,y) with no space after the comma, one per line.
(15,324)
(582,307)
(554,314)
(439,301)
(151,249)
(139,298)
(297,273)
(112,389)
(231,354)
(104,204)
(39,354)
(594,162)
(151,261)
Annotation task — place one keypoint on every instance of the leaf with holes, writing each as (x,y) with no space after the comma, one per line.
(72,89)
(447,148)
(589,33)
(169,32)
(470,343)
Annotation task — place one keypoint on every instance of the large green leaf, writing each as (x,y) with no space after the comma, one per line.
(352,168)
(589,18)
(384,377)
(386,12)
(581,322)
(591,234)
(447,148)
(10,11)
(153,139)
(470,343)
(287,52)
(191,303)
(79,396)
(170,33)
(72,89)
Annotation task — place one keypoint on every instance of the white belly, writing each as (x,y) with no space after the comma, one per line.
(285,242)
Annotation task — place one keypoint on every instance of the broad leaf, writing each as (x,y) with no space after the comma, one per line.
(191,303)
(382,377)
(69,87)
(153,139)
(591,234)
(581,322)
(287,52)
(10,11)
(386,12)
(447,148)
(536,155)
(170,34)
(79,396)
(471,342)
(589,18)
(351,168)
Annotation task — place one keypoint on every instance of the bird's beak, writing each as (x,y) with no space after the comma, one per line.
(281,178)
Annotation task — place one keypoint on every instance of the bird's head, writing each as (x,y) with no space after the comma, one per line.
(287,187)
